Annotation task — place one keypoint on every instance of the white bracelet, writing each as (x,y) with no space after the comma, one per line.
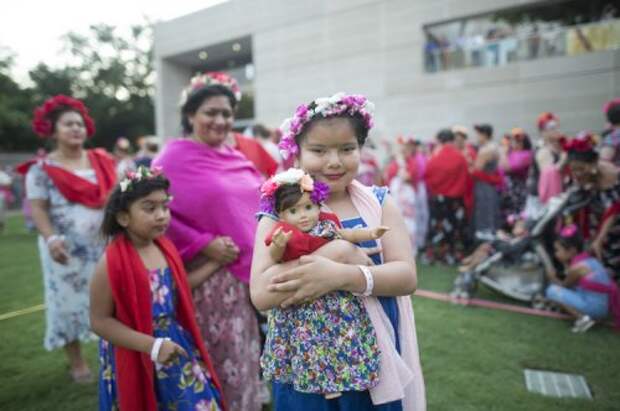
(53,238)
(370,281)
(156,347)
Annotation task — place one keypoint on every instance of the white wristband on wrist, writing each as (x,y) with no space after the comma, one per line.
(370,281)
(53,238)
(157,347)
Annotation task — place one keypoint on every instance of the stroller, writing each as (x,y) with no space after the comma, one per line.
(517,268)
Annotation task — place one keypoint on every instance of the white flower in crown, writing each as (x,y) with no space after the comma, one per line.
(290,176)
(124,184)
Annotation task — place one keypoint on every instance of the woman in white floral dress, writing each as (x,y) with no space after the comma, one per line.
(67,191)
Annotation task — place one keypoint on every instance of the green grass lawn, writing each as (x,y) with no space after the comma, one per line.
(472,357)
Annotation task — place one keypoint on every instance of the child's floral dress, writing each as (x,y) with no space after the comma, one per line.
(184,385)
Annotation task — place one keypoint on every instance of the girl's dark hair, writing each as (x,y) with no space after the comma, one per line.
(613,114)
(121,201)
(356,120)
(589,156)
(445,136)
(286,196)
(527,144)
(196,98)
(573,241)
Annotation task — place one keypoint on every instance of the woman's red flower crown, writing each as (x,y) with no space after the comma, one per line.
(42,122)
(583,143)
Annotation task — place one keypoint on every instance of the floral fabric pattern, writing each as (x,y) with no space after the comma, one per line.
(66,286)
(186,384)
(229,328)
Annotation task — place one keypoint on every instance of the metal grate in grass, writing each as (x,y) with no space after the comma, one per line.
(555,384)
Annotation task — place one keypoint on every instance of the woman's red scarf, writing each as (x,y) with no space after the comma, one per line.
(253,151)
(79,190)
(131,291)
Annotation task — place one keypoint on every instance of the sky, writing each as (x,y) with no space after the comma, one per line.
(31,29)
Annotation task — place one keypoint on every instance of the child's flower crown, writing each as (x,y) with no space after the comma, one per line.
(318,191)
(323,107)
(211,78)
(142,173)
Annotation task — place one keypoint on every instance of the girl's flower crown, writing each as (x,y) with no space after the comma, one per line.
(211,78)
(568,231)
(322,107)
(582,143)
(142,173)
(319,191)
(42,122)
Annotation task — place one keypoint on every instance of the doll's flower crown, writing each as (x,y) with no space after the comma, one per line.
(142,173)
(211,78)
(42,122)
(319,191)
(322,107)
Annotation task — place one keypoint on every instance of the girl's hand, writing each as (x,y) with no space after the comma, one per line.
(311,279)
(169,351)
(223,250)
(58,251)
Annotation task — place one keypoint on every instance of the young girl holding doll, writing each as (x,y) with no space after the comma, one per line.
(586,291)
(314,363)
(152,356)
(326,136)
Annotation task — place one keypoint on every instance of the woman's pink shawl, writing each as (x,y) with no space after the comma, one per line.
(215,193)
(400,375)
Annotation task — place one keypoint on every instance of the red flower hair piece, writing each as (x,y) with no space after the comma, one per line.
(42,123)
(547,120)
(583,143)
(610,104)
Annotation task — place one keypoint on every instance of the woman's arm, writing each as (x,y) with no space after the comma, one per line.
(573,274)
(102,319)
(41,219)
(200,269)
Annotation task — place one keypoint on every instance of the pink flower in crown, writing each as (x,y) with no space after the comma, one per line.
(306,183)
(568,231)
(269,187)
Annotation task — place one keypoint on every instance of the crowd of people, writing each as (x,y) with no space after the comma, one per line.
(172,255)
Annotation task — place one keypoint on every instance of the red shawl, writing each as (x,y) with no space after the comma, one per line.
(447,173)
(253,151)
(301,243)
(79,190)
(131,291)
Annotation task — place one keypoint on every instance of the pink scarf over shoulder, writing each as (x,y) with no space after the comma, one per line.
(400,375)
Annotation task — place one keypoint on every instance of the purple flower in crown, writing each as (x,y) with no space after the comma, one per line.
(323,107)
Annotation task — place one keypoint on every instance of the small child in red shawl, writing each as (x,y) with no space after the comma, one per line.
(152,356)
(301,352)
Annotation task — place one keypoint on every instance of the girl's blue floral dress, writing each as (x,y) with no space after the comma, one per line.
(183,386)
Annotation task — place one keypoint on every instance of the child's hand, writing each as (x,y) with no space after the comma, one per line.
(378,232)
(280,238)
(169,351)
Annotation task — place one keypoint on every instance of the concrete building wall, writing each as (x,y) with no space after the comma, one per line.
(302,50)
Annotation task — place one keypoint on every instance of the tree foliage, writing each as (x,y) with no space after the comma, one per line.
(112,73)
